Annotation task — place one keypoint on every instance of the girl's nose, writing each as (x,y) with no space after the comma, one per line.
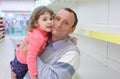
(50,21)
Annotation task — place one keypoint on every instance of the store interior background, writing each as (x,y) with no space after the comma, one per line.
(100,58)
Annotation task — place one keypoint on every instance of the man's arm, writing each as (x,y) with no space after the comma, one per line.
(64,68)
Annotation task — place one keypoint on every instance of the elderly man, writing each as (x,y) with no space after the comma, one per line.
(61,58)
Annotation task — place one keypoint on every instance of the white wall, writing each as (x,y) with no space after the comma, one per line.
(114,16)
(99,15)
(103,16)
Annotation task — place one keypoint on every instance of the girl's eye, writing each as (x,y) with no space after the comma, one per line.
(51,18)
(44,19)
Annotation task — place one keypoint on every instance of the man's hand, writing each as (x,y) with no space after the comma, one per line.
(24,46)
(73,39)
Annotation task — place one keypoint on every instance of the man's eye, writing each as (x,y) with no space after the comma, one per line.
(57,18)
(66,23)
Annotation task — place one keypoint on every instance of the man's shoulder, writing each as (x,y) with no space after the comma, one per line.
(71,45)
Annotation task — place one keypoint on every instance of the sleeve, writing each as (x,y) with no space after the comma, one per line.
(64,68)
(33,49)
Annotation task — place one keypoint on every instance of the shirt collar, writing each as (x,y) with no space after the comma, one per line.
(42,31)
(57,44)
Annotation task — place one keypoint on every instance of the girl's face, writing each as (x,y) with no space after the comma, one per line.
(45,22)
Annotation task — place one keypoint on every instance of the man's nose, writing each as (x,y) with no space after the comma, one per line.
(59,24)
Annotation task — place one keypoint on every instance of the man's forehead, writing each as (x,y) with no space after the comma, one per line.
(60,11)
(65,14)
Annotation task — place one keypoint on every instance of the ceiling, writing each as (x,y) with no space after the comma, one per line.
(57,4)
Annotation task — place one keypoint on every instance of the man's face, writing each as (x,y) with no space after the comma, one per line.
(63,24)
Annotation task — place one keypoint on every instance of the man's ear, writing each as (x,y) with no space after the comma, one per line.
(73,28)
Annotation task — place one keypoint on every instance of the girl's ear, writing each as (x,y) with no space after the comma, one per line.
(35,23)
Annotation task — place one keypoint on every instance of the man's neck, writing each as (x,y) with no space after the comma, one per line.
(54,39)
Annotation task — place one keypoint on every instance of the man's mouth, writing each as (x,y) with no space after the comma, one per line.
(57,29)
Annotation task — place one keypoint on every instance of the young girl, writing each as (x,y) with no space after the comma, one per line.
(39,26)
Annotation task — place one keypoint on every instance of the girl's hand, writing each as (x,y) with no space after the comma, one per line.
(13,75)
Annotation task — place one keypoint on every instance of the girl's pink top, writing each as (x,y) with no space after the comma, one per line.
(37,40)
